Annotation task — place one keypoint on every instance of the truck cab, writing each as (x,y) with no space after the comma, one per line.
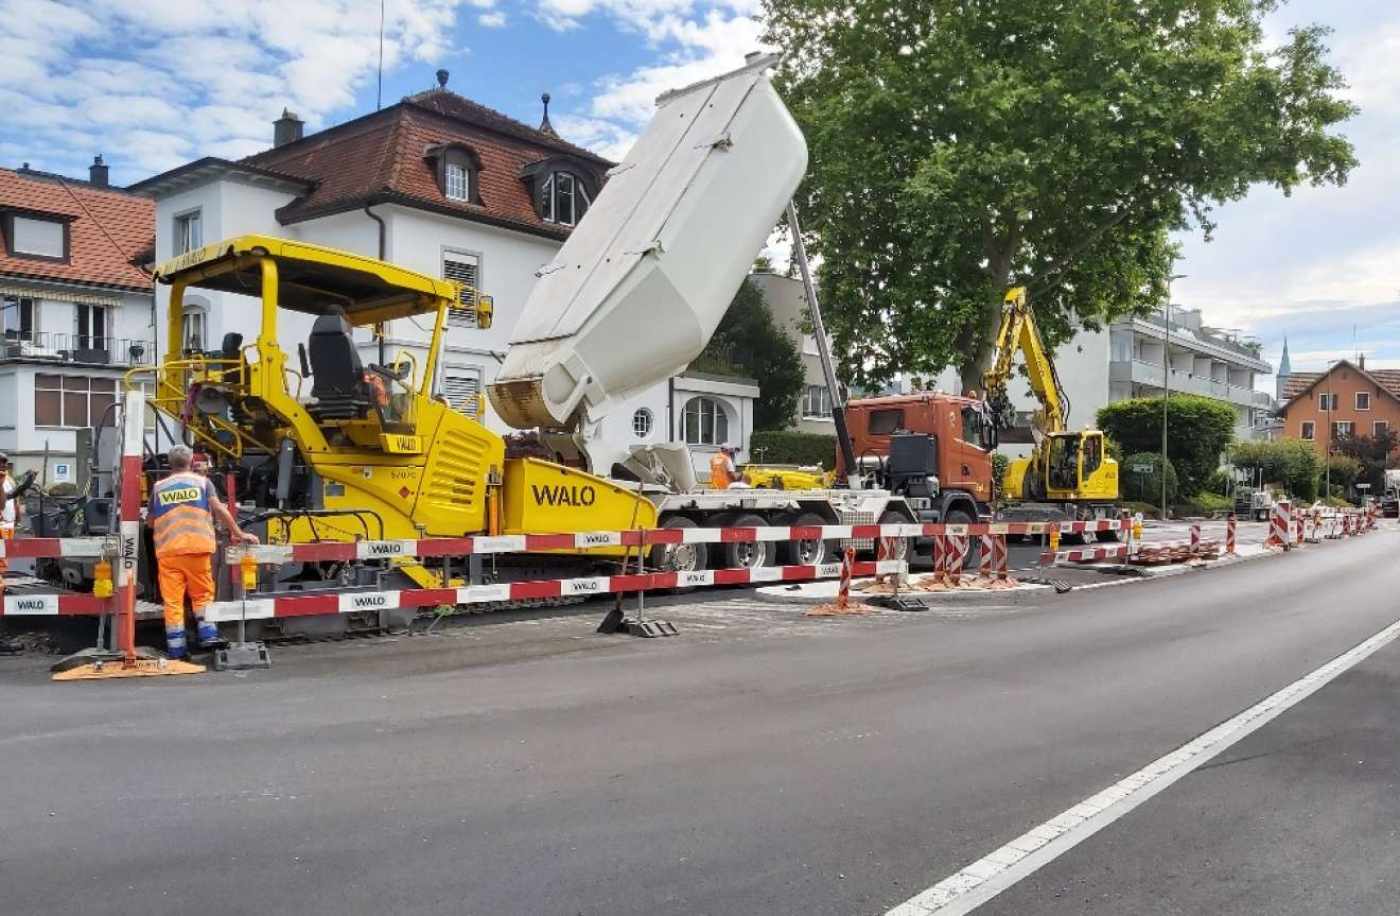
(962,439)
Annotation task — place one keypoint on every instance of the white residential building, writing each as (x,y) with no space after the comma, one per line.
(444,186)
(75,310)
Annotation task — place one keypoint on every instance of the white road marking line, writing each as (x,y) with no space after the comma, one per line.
(982,880)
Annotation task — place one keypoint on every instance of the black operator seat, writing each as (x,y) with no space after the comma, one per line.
(338,386)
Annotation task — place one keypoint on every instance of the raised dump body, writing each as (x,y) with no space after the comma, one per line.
(637,290)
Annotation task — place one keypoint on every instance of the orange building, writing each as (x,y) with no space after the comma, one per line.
(1346,400)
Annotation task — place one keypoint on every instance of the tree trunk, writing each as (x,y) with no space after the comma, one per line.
(984,336)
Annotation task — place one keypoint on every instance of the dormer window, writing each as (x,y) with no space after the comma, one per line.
(563,199)
(34,236)
(563,188)
(458,172)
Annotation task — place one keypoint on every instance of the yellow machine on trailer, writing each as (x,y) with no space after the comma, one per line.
(1069,468)
(332,448)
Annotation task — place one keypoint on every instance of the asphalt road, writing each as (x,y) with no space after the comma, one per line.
(812,766)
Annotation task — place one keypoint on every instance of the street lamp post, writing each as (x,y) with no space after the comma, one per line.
(1166,384)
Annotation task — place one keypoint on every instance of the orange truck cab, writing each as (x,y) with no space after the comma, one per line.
(933,448)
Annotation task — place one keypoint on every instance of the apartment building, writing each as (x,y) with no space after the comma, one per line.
(75,309)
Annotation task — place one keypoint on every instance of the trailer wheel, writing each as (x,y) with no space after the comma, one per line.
(813,552)
(1108,537)
(679,557)
(746,554)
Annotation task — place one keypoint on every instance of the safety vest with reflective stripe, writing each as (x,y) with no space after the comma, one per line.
(180,514)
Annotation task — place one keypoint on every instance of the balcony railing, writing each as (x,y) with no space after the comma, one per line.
(82,349)
(1140,372)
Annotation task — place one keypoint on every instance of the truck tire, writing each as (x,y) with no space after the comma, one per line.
(903,547)
(808,553)
(679,557)
(744,554)
(974,543)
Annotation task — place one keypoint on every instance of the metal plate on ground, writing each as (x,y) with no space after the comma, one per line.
(242,656)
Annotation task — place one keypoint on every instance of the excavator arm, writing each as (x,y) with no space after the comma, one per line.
(1018,331)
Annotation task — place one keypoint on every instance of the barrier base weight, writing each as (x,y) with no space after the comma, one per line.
(241,656)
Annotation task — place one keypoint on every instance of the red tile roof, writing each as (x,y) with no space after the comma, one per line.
(381,157)
(108,228)
(1299,383)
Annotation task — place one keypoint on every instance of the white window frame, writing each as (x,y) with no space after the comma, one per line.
(706,409)
(1379,426)
(45,227)
(457,181)
(192,317)
(822,408)
(643,422)
(466,315)
(92,340)
(1359,396)
(1337,430)
(12,318)
(1308,430)
(1327,401)
(552,210)
(181,240)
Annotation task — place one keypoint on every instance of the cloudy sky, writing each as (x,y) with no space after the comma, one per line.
(151,84)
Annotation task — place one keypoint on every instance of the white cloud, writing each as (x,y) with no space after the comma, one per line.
(492,20)
(149,83)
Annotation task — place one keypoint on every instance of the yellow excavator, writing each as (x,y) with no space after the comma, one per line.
(1069,469)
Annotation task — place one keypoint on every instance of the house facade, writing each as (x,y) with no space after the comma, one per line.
(1346,400)
(436,183)
(76,311)
(787,301)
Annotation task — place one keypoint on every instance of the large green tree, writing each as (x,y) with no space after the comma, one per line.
(959,147)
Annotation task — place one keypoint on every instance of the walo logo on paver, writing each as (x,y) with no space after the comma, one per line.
(561,495)
(368,602)
(385,548)
(590,540)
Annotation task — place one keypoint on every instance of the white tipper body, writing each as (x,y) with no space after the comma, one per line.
(642,282)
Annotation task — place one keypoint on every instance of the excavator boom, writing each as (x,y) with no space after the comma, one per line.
(1018,331)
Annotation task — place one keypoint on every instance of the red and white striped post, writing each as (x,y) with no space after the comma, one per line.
(1230,535)
(957,552)
(133,440)
(1298,527)
(1195,539)
(1003,561)
(986,564)
(843,591)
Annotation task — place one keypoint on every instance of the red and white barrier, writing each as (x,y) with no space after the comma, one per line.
(1195,538)
(55,548)
(1278,526)
(302,605)
(1090,554)
(1230,535)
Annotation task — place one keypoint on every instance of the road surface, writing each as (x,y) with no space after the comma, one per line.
(762,762)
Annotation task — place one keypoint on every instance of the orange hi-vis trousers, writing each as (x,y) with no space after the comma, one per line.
(182,574)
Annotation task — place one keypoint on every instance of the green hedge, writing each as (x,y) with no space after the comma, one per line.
(1199,429)
(1146,487)
(785,446)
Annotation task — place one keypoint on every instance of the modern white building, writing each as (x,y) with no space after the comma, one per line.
(787,301)
(442,185)
(75,310)
(1126,360)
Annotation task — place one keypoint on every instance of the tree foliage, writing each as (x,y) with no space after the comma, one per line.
(1146,486)
(748,342)
(1198,432)
(959,147)
(1374,454)
(1289,463)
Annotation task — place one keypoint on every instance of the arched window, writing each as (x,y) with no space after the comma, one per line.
(458,172)
(704,422)
(195,325)
(642,422)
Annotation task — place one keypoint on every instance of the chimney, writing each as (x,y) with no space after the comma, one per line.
(97,172)
(286,129)
(442,76)
(1361,361)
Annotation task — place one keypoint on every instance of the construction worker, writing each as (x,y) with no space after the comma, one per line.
(723,473)
(11,514)
(182,511)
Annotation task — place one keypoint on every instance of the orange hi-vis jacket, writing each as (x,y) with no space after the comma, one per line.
(180,514)
(721,471)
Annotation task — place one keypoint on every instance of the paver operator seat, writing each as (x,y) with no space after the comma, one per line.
(339,376)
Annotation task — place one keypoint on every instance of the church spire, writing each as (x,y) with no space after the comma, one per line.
(1285,369)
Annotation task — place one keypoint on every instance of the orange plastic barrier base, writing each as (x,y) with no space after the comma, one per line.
(98,666)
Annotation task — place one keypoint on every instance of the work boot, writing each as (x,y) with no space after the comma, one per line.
(209,635)
(175,643)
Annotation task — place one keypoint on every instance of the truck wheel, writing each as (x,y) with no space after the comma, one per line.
(745,554)
(679,557)
(974,543)
(813,552)
(1108,537)
(901,548)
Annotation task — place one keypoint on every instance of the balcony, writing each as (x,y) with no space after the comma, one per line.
(1149,375)
(75,349)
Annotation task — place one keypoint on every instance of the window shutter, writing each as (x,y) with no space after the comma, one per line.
(465,269)
(461,385)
